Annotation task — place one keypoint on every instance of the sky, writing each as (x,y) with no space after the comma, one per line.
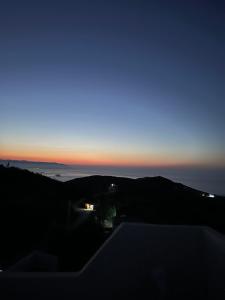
(127,83)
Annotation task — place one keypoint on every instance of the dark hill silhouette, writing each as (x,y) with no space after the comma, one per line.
(92,185)
(22,187)
(153,200)
(29,204)
(140,189)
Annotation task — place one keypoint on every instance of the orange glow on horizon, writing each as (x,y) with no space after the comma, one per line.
(97,159)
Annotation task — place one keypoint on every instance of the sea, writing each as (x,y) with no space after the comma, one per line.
(210,180)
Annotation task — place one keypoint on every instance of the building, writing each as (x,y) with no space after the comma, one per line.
(138,261)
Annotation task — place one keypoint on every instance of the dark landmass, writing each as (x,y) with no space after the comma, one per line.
(34,216)
(29,204)
(154,200)
(28,163)
(39,213)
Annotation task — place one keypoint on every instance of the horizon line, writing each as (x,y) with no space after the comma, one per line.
(114,165)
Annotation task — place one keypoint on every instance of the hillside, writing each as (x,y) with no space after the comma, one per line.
(152,199)
(29,204)
(148,186)
(34,212)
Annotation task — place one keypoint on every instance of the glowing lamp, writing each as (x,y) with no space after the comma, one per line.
(89,206)
(211,196)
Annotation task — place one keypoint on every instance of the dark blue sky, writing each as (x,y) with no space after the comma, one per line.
(113,82)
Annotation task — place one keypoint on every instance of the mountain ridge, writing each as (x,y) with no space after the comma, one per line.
(12,161)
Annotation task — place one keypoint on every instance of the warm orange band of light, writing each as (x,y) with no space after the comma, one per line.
(86,159)
(97,158)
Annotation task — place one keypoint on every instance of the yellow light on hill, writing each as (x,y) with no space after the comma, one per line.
(89,206)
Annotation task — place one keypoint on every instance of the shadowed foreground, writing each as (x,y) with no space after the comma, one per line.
(138,261)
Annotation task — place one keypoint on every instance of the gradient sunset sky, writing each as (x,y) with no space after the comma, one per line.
(138,83)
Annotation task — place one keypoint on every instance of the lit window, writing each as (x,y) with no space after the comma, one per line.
(89,206)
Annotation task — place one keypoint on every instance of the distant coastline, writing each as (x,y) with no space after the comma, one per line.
(15,162)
